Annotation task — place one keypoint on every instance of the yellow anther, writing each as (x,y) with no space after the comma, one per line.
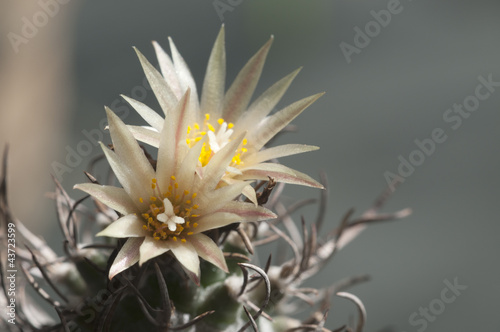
(188,202)
(203,133)
(150,220)
(152,198)
(197,139)
(173,177)
(141,200)
(220,121)
(196,126)
(230,125)
(187,224)
(189,129)
(174,238)
(245,141)
(186,192)
(145,227)
(194,195)
(188,141)
(210,127)
(169,188)
(190,233)
(157,238)
(195,225)
(153,186)
(177,197)
(180,228)
(183,240)
(153,180)
(176,185)
(194,216)
(207,116)
(195,206)
(244,149)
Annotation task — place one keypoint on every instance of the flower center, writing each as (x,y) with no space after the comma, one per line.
(218,136)
(170,214)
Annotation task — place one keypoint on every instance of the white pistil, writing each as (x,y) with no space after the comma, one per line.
(168,217)
(220,140)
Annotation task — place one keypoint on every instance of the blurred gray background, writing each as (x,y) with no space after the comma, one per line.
(378,101)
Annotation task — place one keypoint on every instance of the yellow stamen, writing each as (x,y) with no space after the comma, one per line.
(220,121)
(141,200)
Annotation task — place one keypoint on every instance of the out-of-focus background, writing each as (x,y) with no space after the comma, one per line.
(394,72)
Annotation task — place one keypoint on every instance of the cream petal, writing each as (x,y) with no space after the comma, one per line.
(152,248)
(216,220)
(146,135)
(170,136)
(168,70)
(214,200)
(127,226)
(127,149)
(186,255)
(166,98)
(265,103)
(278,152)
(233,212)
(133,185)
(126,257)
(186,172)
(115,198)
(276,122)
(249,193)
(212,96)
(149,115)
(186,80)
(280,173)
(208,250)
(239,94)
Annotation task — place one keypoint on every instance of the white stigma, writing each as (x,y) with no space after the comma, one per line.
(220,140)
(168,217)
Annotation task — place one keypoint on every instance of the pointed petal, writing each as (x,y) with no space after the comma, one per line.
(127,149)
(217,165)
(278,152)
(280,173)
(186,80)
(273,124)
(168,70)
(150,116)
(127,226)
(170,141)
(126,257)
(186,172)
(233,212)
(215,199)
(208,250)
(248,211)
(115,198)
(151,248)
(166,98)
(186,255)
(249,193)
(212,96)
(239,94)
(130,181)
(263,105)
(146,135)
